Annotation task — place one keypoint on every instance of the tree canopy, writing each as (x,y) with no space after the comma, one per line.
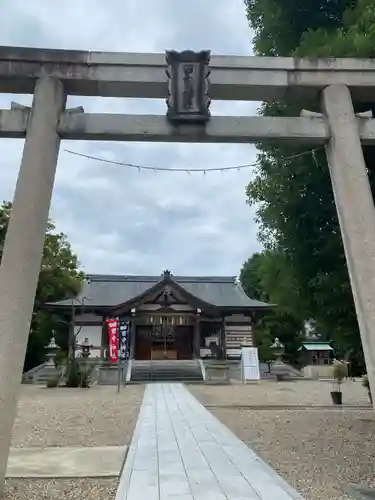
(296,213)
(280,25)
(265,276)
(59,278)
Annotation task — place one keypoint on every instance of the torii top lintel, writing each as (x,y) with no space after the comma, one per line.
(141,75)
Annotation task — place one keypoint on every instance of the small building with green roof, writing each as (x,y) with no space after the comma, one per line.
(316,357)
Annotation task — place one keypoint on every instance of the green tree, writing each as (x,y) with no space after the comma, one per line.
(263,340)
(250,278)
(265,276)
(297,214)
(59,278)
(279,25)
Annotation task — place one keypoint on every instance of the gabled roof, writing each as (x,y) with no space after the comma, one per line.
(112,290)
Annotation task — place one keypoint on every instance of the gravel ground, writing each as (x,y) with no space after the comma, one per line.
(76,417)
(72,417)
(63,489)
(319,451)
(281,393)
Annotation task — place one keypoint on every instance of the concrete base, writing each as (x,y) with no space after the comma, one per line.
(108,375)
(360,493)
(104,461)
(217,372)
(234,368)
(317,371)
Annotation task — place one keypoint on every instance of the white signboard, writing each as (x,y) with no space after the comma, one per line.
(250,363)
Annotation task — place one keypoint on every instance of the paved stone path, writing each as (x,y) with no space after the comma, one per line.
(180,451)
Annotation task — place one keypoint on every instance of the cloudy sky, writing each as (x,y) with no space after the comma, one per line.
(122,221)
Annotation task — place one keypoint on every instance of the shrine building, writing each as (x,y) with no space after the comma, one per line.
(171,317)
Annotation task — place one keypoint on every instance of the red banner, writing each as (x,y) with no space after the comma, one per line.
(113,342)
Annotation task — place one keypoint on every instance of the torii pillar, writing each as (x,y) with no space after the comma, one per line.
(23,248)
(355,210)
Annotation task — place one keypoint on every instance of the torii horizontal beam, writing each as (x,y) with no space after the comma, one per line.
(234,78)
(313,131)
(220,129)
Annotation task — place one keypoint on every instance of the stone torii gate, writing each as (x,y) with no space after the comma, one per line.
(52,74)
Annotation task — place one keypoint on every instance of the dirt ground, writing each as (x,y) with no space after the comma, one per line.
(318,448)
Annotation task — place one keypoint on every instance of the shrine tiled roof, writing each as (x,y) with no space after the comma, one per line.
(112,290)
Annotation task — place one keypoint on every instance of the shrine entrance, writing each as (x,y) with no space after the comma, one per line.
(189,81)
(165,339)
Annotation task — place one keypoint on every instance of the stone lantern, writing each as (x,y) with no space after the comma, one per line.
(278,349)
(279,368)
(51,350)
(50,372)
(85,348)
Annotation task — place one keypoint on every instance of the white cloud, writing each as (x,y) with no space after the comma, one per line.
(119,220)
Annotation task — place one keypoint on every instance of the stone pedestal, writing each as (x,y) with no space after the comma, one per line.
(108,375)
(280,370)
(50,372)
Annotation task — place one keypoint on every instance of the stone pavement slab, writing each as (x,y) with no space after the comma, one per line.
(51,462)
(180,451)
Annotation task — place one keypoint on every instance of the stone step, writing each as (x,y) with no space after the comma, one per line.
(166,370)
(41,374)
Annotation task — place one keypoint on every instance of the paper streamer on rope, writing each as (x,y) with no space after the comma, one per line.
(189,171)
